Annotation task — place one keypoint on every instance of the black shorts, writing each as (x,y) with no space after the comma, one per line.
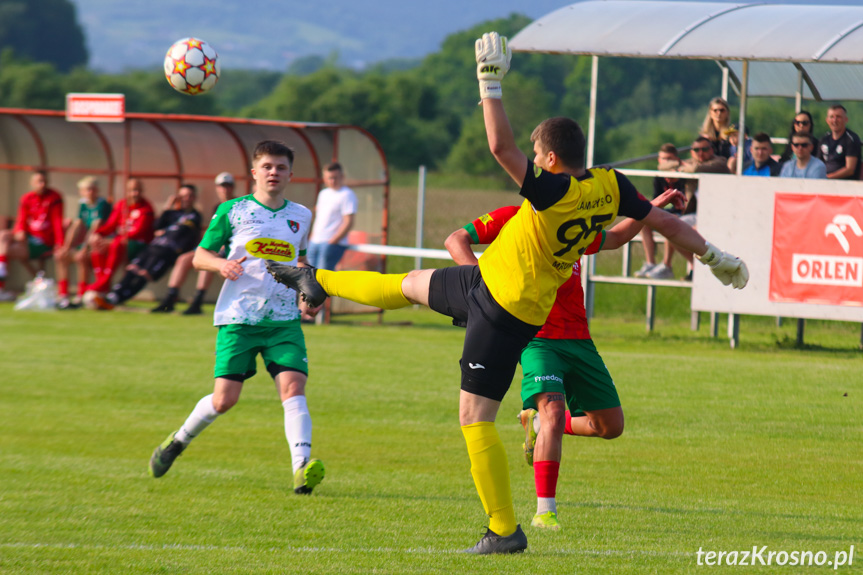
(156,260)
(494,338)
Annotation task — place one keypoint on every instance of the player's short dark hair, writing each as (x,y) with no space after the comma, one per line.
(702,139)
(192,187)
(564,137)
(805,135)
(273,148)
(761,137)
(333,167)
(669,148)
(838,107)
(41,172)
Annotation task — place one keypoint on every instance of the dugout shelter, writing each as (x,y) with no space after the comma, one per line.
(802,51)
(166,150)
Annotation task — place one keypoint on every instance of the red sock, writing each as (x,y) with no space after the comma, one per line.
(82,287)
(63,288)
(545,476)
(568,427)
(3,259)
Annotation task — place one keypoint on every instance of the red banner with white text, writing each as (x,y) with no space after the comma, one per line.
(817,249)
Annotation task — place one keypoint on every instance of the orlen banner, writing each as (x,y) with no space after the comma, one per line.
(817,250)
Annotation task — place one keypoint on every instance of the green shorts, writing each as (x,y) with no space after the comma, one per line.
(569,366)
(238,346)
(36,248)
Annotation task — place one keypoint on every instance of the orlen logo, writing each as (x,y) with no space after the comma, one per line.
(820,269)
(271,249)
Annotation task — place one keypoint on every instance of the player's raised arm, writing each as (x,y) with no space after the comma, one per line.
(492,63)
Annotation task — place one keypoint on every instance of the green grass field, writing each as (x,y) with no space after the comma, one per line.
(723,450)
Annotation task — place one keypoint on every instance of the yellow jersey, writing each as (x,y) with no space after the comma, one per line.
(535,251)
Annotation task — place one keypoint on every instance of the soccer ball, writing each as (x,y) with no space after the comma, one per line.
(192,66)
(89,300)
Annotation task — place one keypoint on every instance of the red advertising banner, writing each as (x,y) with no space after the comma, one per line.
(95,107)
(817,249)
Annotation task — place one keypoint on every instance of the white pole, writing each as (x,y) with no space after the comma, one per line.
(421,201)
(591,126)
(798,99)
(741,136)
(725,83)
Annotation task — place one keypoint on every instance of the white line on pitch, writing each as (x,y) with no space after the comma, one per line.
(307,549)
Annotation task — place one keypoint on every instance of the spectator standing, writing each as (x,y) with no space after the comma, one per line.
(37,232)
(668,160)
(224,191)
(131,222)
(715,123)
(762,163)
(804,165)
(840,147)
(335,210)
(801,124)
(92,211)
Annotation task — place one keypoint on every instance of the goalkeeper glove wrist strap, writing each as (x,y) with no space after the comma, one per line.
(489,89)
(712,256)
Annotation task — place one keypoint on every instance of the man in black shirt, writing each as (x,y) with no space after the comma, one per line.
(840,148)
(177,231)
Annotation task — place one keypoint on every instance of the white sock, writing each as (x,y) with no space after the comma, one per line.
(2,269)
(298,429)
(203,415)
(545,504)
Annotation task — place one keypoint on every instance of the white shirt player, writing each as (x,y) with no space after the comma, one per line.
(248,228)
(331,206)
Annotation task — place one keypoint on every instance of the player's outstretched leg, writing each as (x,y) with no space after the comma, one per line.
(300,279)
(526,418)
(369,288)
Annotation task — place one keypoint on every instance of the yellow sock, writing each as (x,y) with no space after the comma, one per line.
(490,472)
(370,288)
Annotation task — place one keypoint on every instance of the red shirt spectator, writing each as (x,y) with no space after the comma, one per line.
(133,220)
(40,215)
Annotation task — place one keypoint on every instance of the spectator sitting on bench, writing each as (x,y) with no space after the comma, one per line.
(668,160)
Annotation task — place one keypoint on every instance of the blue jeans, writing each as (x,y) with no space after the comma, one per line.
(325,256)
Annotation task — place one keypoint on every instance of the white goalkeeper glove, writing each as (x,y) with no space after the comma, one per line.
(492,63)
(728,268)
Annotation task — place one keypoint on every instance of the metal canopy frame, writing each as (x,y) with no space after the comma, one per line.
(804,51)
(167,149)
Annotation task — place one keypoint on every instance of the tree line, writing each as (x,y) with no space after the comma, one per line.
(423,111)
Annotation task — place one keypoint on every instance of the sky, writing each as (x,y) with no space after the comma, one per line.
(270,34)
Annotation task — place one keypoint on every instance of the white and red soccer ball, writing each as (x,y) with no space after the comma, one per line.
(192,66)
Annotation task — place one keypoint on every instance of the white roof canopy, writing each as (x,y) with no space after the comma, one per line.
(820,45)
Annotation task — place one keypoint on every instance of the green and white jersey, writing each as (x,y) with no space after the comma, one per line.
(101,210)
(248,228)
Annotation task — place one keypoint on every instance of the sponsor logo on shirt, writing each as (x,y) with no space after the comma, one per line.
(271,249)
(486,219)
